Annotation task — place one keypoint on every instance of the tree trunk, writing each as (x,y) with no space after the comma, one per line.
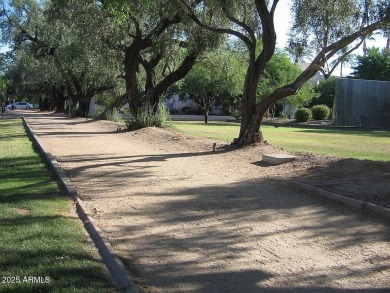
(150,83)
(252,115)
(173,77)
(131,65)
(206,116)
(249,129)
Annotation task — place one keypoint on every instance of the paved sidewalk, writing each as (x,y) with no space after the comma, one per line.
(185,219)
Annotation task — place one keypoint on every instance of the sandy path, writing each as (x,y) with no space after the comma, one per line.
(186,219)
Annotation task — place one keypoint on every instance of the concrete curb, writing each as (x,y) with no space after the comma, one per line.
(346,200)
(119,274)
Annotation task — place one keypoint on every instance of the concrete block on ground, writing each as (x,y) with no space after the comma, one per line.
(277,159)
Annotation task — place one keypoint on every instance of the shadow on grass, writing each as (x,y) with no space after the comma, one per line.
(48,247)
(25,178)
(355,132)
(41,249)
(14,161)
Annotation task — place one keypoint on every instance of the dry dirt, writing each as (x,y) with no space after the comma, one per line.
(186,219)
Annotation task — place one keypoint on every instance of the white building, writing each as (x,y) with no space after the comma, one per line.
(317,78)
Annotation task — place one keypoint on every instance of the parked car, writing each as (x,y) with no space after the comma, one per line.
(20,105)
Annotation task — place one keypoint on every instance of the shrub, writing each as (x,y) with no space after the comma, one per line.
(111,114)
(303,115)
(320,112)
(76,111)
(147,117)
(190,111)
(236,113)
(174,111)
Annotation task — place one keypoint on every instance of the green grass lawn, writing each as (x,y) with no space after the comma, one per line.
(42,248)
(347,143)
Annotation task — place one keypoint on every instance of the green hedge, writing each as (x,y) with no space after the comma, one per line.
(303,115)
(320,112)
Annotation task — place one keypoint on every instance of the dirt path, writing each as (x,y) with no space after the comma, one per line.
(186,219)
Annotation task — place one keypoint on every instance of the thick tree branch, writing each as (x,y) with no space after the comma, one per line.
(273,8)
(94,90)
(241,24)
(177,74)
(194,18)
(341,58)
(162,26)
(318,62)
(268,30)
(138,32)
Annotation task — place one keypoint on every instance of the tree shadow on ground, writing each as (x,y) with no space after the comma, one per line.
(349,131)
(254,236)
(365,180)
(126,166)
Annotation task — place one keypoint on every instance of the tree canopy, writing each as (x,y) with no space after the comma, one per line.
(373,66)
(57,51)
(330,25)
(217,78)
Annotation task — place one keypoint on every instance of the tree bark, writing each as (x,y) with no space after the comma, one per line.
(173,77)
(206,116)
(253,114)
(248,102)
(131,64)
(133,58)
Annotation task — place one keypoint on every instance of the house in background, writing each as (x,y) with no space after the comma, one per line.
(176,105)
(317,78)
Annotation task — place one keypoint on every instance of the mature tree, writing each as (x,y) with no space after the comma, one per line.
(373,66)
(320,24)
(217,78)
(4,87)
(278,72)
(331,24)
(86,64)
(5,82)
(58,52)
(160,47)
(298,48)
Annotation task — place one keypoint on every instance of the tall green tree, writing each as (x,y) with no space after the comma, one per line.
(373,66)
(217,78)
(332,24)
(280,71)
(160,47)
(297,48)
(58,51)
